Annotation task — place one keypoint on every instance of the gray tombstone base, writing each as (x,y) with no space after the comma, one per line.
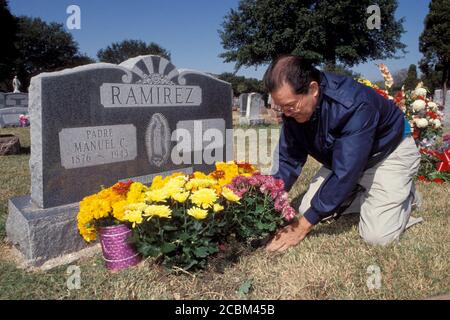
(43,234)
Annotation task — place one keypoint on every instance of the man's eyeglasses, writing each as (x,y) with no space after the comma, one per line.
(287,108)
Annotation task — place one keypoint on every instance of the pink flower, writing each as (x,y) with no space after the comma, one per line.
(239,180)
(259,177)
(253,181)
(281,202)
(288,213)
(240,192)
(274,193)
(279,183)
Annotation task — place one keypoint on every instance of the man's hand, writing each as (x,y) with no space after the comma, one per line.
(290,235)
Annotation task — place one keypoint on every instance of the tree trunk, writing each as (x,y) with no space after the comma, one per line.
(445,76)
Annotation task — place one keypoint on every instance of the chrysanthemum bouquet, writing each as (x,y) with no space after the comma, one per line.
(104,209)
(183,219)
(425,116)
(263,208)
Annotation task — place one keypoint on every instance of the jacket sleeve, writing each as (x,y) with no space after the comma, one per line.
(350,156)
(288,159)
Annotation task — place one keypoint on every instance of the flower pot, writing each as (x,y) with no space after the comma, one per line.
(118,253)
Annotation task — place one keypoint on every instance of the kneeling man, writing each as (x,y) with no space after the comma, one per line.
(363,142)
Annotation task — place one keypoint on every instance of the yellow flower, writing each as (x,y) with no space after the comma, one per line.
(180,197)
(157,195)
(119,209)
(136,192)
(199,175)
(101,208)
(217,207)
(158,211)
(195,183)
(174,185)
(88,233)
(204,198)
(230,169)
(157,183)
(197,213)
(141,206)
(229,195)
(134,216)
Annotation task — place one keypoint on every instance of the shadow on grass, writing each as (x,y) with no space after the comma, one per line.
(335,227)
(25,150)
(297,200)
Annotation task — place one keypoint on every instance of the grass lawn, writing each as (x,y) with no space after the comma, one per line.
(331,263)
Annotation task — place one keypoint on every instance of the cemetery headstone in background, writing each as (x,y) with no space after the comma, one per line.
(438,97)
(12,105)
(243,98)
(447,109)
(102,123)
(255,107)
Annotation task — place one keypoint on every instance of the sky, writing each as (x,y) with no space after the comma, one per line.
(189,29)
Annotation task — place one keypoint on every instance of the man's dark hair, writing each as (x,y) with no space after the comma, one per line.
(293,70)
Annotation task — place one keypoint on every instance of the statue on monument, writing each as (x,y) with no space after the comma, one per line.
(16,85)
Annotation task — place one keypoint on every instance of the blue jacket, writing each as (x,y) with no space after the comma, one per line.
(352,129)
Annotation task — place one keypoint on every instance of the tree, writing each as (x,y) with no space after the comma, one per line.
(411,80)
(44,47)
(399,79)
(434,42)
(431,75)
(8,25)
(241,84)
(342,70)
(323,31)
(118,52)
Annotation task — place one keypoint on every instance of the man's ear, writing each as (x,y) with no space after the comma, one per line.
(314,88)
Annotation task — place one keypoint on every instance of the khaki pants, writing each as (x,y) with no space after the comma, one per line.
(385,204)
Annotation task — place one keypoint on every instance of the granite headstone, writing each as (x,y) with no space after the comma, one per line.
(243,98)
(102,123)
(447,109)
(12,105)
(9,117)
(16,100)
(438,97)
(2,100)
(255,107)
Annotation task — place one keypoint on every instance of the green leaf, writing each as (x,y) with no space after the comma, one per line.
(170,228)
(168,247)
(201,252)
(245,287)
(149,250)
(259,209)
(184,236)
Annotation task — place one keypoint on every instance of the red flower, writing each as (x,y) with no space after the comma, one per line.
(218,174)
(398,98)
(438,181)
(122,187)
(432,115)
(247,167)
(422,178)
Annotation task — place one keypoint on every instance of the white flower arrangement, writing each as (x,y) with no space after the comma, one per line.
(421,122)
(419,105)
